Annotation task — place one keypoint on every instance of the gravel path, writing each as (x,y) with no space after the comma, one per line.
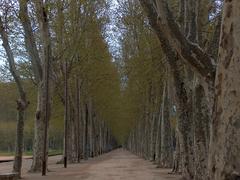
(116,165)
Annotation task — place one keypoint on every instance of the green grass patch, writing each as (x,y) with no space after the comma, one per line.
(30,153)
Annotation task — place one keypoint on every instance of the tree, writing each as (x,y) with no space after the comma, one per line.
(179,43)
(225,142)
(32,50)
(41,69)
(56,32)
(22,102)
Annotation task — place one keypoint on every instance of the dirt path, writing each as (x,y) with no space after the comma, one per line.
(116,165)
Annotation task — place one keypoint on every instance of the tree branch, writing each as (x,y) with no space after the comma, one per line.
(12,65)
(30,40)
(161,19)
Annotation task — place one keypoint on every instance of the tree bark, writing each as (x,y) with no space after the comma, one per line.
(30,42)
(38,70)
(78,119)
(21,102)
(38,134)
(224,156)
(86,143)
(158,138)
(162,20)
(66,111)
(42,15)
(153,132)
(166,136)
(183,98)
(90,127)
(201,133)
(177,165)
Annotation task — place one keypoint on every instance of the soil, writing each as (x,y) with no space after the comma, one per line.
(116,165)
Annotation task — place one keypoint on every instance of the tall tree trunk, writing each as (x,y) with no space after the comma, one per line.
(72,129)
(158,138)
(91,140)
(21,102)
(166,135)
(86,143)
(38,134)
(100,138)
(184,112)
(146,136)
(153,135)
(78,119)
(201,135)
(66,111)
(177,165)
(32,50)
(17,166)
(225,142)
(42,15)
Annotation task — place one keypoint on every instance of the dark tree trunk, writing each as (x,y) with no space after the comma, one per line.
(86,144)
(166,135)
(66,111)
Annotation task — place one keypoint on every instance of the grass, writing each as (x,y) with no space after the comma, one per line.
(3,153)
(29,153)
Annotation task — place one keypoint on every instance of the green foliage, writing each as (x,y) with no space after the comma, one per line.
(85,50)
(143,67)
(8,116)
(120,95)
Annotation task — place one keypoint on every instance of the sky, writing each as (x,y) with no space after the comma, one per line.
(112,34)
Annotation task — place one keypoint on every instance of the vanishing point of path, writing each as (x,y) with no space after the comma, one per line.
(116,165)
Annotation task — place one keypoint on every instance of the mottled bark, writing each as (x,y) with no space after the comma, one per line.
(40,70)
(38,134)
(184,118)
(42,15)
(201,133)
(212,48)
(191,17)
(183,97)
(202,22)
(225,142)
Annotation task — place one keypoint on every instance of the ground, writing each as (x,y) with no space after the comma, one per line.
(116,165)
